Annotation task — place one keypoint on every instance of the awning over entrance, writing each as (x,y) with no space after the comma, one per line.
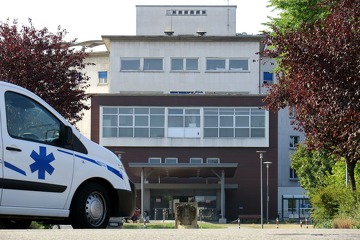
(185,170)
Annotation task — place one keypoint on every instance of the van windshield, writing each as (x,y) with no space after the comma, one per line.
(26,119)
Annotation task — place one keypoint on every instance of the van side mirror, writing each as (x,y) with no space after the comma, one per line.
(68,136)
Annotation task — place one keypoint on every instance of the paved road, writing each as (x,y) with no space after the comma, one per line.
(178,234)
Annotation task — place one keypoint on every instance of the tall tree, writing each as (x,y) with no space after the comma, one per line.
(313,167)
(45,64)
(318,74)
(294,14)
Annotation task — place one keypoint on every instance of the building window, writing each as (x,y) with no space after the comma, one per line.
(110,122)
(171,160)
(154,160)
(215,64)
(293,174)
(238,65)
(130,64)
(139,64)
(184,64)
(213,160)
(267,77)
(234,122)
(102,77)
(196,160)
(184,122)
(294,140)
(231,65)
(191,64)
(177,64)
(153,64)
(133,122)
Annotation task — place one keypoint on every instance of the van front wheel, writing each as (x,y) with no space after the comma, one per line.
(91,207)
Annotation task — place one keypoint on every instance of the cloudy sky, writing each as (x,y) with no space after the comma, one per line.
(88,20)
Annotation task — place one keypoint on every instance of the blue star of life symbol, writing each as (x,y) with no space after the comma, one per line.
(42,162)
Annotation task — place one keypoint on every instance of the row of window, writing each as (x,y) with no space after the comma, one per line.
(158,122)
(182,12)
(174,160)
(185,64)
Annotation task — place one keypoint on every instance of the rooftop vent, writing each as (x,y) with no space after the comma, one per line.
(201,33)
(169,32)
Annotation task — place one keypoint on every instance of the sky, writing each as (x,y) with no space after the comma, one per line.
(89,20)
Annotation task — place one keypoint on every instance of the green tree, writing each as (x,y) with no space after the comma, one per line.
(318,74)
(45,64)
(324,178)
(312,167)
(294,14)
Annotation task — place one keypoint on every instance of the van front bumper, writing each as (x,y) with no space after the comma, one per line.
(126,201)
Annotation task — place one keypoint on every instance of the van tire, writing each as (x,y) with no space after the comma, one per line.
(91,207)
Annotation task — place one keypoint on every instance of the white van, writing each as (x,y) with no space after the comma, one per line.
(49,172)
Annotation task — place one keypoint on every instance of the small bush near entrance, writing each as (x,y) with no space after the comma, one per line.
(344,222)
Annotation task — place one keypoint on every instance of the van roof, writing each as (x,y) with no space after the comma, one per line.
(13,86)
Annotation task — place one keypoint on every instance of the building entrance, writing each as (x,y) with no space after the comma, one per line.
(163,205)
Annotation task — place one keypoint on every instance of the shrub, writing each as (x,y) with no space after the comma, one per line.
(343,222)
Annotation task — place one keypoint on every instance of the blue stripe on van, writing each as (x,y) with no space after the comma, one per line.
(115,171)
(84,158)
(14,168)
(111,169)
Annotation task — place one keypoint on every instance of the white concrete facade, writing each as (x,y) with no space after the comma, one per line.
(101,63)
(288,183)
(186,20)
(167,80)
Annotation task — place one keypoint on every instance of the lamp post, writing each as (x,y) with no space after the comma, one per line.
(267,190)
(261,153)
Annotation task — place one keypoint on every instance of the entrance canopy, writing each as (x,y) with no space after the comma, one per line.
(183,170)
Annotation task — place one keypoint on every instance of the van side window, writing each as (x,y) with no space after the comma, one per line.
(28,120)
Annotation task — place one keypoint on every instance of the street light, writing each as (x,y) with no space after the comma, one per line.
(267,190)
(261,187)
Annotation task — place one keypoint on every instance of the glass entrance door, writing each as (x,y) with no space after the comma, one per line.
(163,205)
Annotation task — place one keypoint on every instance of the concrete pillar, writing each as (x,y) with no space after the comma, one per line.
(222,181)
(142,193)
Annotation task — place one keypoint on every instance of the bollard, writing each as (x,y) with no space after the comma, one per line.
(239,222)
(277,223)
(307,223)
(300,223)
(164,212)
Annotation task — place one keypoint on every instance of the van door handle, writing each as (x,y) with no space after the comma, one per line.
(13,149)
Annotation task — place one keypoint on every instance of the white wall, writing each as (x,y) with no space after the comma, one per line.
(166,81)
(154,20)
(101,61)
(285,131)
